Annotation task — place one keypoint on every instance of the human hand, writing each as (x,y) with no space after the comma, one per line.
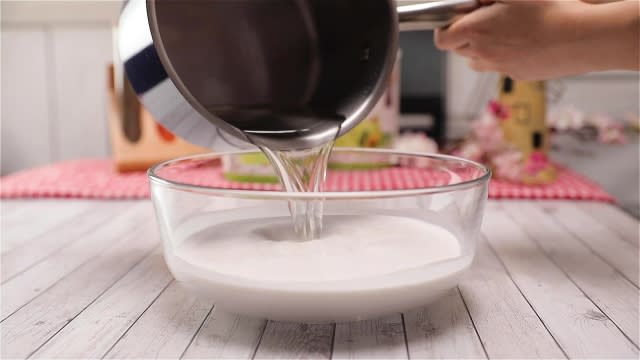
(543,39)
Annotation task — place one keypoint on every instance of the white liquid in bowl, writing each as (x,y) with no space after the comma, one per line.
(362,266)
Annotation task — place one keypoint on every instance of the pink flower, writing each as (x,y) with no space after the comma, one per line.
(566,118)
(508,165)
(415,142)
(487,132)
(612,135)
(610,131)
(499,110)
(470,150)
(537,162)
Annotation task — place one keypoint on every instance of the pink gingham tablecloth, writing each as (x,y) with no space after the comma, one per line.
(97,179)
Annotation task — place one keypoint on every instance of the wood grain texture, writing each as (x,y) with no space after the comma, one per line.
(29,284)
(287,340)
(7,206)
(226,336)
(80,94)
(599,238)
(31,252)
(92,333)
(107,293)
(623,224)
(25,136)
(35,323)
(612,293)
(506,323)
(442,330)
(165,329)
(36,218)
(370,339)
(580,328)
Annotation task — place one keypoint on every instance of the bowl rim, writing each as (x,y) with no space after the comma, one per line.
(157,180)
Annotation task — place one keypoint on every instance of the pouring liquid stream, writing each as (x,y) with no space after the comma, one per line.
(299,166)
(303,171)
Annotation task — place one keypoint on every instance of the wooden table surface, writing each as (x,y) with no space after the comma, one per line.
(86,279)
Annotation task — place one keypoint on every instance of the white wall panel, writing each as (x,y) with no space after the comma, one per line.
(25,103)
(80,57)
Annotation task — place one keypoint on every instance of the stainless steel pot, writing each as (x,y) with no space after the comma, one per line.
(286,74)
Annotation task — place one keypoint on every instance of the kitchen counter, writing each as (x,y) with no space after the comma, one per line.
(86,279)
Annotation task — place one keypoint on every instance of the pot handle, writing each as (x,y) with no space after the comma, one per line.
(432,14)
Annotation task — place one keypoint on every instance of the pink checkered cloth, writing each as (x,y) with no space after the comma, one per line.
(97,179)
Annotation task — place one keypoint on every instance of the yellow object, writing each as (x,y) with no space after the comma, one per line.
(367,133)
(525,127)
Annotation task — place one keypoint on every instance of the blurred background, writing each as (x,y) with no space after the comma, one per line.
(54,69)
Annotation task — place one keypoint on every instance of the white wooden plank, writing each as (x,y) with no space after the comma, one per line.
(25,107)
(613,294)
(165,329)
(226,336)
(623,224)
(508,327)
(8,206)
(578,326)
(17,212)
(31,283)
(599,238)
(92,333)
(81,90)
(288,340)
(370,339)
(33,251)
(31,326)
(442,330)
(35,218)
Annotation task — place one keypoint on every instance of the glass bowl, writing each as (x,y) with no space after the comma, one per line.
(399,231)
